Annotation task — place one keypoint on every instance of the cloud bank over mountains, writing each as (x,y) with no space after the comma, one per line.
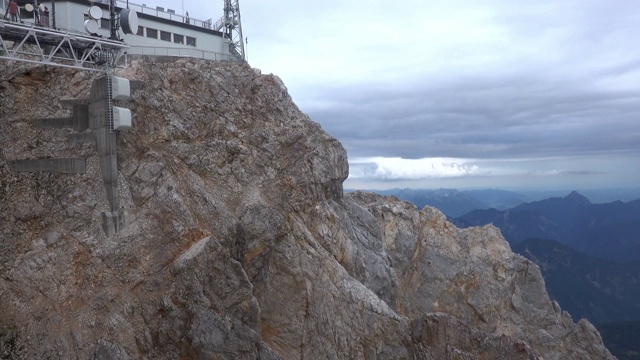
(411,169)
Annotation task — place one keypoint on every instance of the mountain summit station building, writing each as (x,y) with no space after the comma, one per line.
(161,32)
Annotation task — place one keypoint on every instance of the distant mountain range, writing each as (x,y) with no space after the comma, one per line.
(609,231)
(455,203)
(596,289)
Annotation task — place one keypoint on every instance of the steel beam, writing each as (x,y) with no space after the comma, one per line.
(34,44)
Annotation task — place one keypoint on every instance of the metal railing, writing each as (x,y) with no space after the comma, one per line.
(180,52)
(165,14)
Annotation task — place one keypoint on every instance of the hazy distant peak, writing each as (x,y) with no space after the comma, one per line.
(447,192)
(577,198)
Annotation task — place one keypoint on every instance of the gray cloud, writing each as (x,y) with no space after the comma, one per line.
(485,118)
(584,172)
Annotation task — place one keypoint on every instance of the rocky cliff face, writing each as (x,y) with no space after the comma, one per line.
(243,245)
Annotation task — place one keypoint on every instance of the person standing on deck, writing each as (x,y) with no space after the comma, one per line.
(13,11)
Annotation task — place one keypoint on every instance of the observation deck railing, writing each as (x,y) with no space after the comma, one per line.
(165,14)
(180,52)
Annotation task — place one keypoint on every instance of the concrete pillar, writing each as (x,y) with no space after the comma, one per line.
(82,138)
(105,140)
(114,221)
(80,116)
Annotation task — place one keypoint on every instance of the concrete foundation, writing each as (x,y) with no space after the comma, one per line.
(55,123)
(114,221)
(82,138)
(69,103)
(87,114)
(63,165)
(80,116)
(79,120)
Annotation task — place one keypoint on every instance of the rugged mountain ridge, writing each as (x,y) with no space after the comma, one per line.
(451,202)
(455,203)
(608,231)
(243,244)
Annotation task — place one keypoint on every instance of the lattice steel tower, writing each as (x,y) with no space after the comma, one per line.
(232,28)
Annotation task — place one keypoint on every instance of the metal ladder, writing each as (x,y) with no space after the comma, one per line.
(109,99)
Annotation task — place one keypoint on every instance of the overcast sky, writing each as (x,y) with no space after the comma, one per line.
(460,94)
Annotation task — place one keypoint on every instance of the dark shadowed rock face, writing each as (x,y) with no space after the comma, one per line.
(243,245)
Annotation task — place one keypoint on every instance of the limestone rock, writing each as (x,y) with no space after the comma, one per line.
(243,245)
(472,274)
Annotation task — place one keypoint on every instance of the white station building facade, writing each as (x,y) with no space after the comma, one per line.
(160,31)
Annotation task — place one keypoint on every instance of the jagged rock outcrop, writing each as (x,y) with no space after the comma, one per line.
(243,245)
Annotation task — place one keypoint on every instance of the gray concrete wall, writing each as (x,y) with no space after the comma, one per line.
(79,120)
(82,138)
(114,221)
(63,165)
(53,123)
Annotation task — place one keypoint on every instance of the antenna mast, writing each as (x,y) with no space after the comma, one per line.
(233,28)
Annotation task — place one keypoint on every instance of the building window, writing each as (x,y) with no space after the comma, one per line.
(191,41)
(140,31)
(166,36)
(178,39)
(152,33)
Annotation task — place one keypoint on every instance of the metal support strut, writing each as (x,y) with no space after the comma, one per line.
(26,43)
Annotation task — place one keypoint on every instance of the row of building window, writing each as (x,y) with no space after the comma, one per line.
(153,33)
(166,36)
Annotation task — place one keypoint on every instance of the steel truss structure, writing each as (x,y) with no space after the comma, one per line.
(24,42)
(30,43)
(231,27)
